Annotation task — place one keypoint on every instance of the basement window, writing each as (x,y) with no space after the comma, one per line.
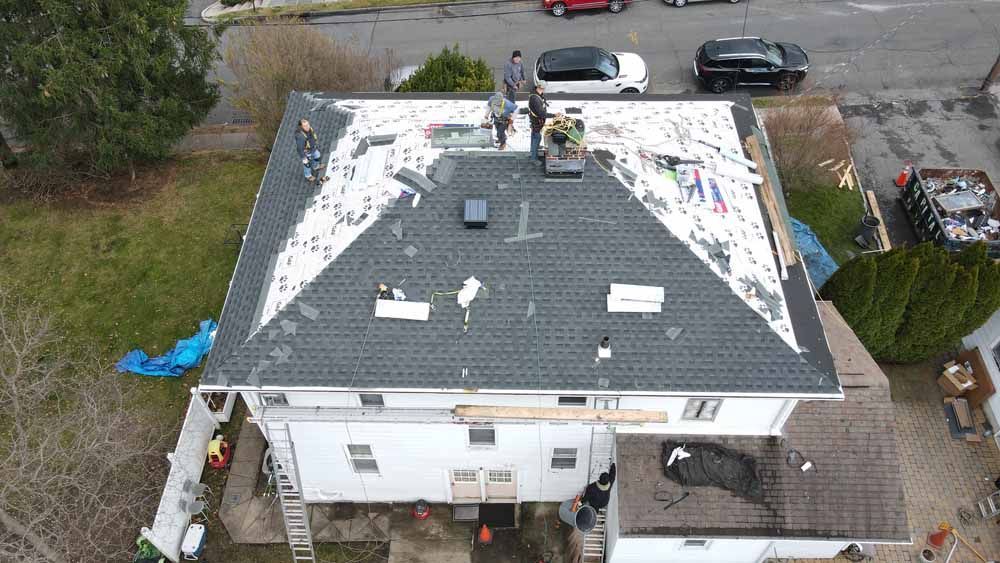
(563,458)
(362,458)
(572,401)
(482,436)
(274,399)
(695,544)
(371,399)
(702,409)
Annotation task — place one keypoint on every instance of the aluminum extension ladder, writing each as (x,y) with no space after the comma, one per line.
(289,486)
(593,542)
(990,506)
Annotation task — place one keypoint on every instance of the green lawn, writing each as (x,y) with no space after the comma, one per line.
(135,273)
(833,214)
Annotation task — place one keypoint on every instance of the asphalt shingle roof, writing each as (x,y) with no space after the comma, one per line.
(854,492)
(283,194)
(537,323)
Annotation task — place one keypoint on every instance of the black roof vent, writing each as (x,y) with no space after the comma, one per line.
(477,213)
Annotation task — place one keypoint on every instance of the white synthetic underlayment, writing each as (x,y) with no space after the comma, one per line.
(347,205)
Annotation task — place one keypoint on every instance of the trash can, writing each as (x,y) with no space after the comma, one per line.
(866,232)
(584,519)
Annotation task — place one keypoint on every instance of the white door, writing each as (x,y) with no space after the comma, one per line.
(465,487)
(501,485)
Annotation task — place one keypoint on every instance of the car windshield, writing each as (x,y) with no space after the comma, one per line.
(775,55)
(607,63)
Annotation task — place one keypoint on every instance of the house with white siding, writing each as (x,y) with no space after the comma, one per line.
(393,351)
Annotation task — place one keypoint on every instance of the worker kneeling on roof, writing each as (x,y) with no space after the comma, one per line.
(598,493)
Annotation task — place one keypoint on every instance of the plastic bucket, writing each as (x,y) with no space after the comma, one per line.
(584,519)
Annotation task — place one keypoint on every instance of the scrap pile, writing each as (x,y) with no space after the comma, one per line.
(966,204)
(703,464)
(565,148)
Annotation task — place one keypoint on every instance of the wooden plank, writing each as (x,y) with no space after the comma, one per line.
(883,234)
(787,245)
(564,413)
(963,413)
(846,176)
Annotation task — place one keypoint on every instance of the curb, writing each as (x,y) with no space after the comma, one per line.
(347,12)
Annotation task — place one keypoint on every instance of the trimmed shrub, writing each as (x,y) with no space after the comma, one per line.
(450,71)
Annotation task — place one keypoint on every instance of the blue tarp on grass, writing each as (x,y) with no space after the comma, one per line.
(819,264)
(186,354)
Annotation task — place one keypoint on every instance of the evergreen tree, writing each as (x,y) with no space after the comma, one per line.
(894,275)
(95,86)
(924,299)
(851,288)
(450,71)
(988,286)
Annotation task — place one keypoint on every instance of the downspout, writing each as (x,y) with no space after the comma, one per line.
(779,421)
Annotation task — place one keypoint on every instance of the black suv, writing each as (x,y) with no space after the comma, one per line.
(725,63)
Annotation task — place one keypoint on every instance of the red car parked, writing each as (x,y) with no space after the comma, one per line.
(560,7)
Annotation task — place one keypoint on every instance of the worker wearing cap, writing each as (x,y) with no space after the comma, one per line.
(598,493)
(513,75)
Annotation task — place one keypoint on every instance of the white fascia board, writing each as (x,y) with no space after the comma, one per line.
(626,292)
(406,310)
(531,392)
(628,306)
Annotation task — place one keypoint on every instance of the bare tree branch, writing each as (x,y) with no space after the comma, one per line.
(81,467)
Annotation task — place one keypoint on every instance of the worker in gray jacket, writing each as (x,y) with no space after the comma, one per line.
(513,75)
(307,145)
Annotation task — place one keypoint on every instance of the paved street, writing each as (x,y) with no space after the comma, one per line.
(862,46)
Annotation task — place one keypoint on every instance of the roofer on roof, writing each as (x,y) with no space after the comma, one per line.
(598,493)
(307,145)
(538,111)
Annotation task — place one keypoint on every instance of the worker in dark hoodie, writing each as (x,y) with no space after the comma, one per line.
(307,145)
(598,493)
(538,113)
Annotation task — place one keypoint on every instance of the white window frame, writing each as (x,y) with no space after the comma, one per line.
(562,455)
(370,456)
(696,418)
(499,476)
(583,405)
(468,435)
(703,546)
(361,400)
(274,399)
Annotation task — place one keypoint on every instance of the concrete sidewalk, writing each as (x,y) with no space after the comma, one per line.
(217,137)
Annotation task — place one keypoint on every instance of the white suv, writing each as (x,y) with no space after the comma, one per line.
(590,70)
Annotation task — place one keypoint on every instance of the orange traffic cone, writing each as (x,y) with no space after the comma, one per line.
(485,535)
(904,175)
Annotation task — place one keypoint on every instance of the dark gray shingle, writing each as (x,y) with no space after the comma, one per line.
(565,273)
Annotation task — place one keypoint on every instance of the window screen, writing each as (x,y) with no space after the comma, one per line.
(362,458)
(371,400)
(701,409)
(465,475)
(482,436)
(572,401)
(274,399)
(564,458)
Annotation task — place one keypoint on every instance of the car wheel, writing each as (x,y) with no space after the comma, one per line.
(680,3)
(558,9)
(630,91)
(734,1)
(616,6)
(786,82)
(720,85)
